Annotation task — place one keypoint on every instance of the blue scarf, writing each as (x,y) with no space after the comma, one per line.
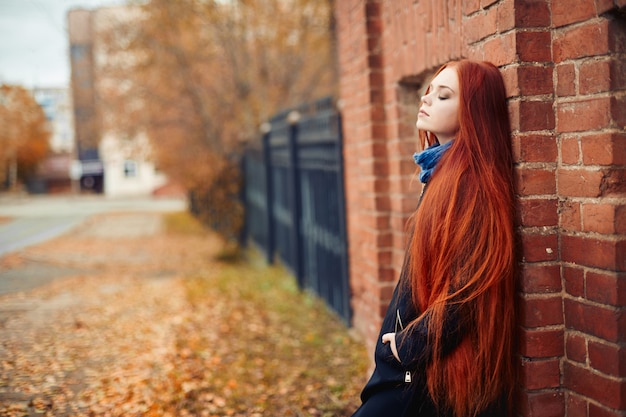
(428,158)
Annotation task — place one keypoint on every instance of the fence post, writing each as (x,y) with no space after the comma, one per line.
(293,118)
(266,128)
(243,168)
(345,272)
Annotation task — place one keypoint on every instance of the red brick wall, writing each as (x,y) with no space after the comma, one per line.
(564,66)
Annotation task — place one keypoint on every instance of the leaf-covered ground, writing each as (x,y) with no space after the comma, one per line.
(159,321)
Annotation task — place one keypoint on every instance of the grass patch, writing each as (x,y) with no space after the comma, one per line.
(258,346)
(183,223)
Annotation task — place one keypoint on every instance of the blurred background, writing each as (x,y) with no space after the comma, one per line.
(152,97)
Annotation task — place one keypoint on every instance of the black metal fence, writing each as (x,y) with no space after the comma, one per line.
(294,197)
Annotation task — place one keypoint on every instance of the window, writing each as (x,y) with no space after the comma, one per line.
(130,169)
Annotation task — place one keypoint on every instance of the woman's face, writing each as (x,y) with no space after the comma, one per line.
(439,112)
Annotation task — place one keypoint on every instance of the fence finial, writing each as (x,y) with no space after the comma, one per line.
(265,128)
(293,117)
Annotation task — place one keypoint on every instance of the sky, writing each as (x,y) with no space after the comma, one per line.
(34,48)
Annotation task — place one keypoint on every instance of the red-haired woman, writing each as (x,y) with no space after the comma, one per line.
(446,342)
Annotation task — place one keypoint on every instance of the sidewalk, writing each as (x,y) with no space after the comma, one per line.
(144,321)
(29,219)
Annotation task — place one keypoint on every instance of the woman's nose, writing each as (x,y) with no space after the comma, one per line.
(425,99)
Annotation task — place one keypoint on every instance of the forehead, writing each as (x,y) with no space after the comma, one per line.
(447,77)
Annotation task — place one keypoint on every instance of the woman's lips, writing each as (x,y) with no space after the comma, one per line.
(424,113)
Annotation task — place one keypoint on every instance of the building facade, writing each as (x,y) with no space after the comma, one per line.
(112,163)
(565,70)
(57,106)
(53,174)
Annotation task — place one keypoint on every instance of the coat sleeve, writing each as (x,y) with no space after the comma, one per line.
(413,344)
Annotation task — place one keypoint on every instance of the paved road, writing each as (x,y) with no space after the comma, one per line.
(34,219)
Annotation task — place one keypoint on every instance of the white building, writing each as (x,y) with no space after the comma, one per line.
(57,106)
(129,169)
(53,175)
(127,163)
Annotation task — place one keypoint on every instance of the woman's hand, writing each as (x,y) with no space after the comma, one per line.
(391,339)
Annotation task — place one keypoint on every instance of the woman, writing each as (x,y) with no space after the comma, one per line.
(446,343)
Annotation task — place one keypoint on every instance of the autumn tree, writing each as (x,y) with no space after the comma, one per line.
(199,77)
(24,135)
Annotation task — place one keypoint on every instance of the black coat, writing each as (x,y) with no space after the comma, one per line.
(398,389)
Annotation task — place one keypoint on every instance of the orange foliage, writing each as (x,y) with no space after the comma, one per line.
(200,77)
(24,135)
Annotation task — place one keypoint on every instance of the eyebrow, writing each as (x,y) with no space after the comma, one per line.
(440,87)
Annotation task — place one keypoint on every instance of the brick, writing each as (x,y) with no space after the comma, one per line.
(578,182)
(506,15)
(535,79)
(599,411)
(614,183)
(566,80)
(534,46)
(620,219)
(618,74)
(369,149)
(608,358)
(373,9)
(570,216)
(599,218)
(539,247)
(576,348)
(595,77)
(374,26)
(618,111)
(537,148)
(480,25)
(540,374)
(574,281)
(541,312)
(603,6)
(604,149)
(532,14)
(511,83)
(514,106)
(536,115)
(386,292)
(470,6)
(536,181)
(591,39)
(542,404)
(576,406)
(516,148)
(570,151)
(541,343)
(384,239)
(373,220)
(604,323)
(607,391)
(584,115)
(564,12)
(594,252)
(500,50)
(538,278)
(539,212)
(376,185)
(617,35)
(606,288)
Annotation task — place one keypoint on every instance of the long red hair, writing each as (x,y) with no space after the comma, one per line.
(462,249)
